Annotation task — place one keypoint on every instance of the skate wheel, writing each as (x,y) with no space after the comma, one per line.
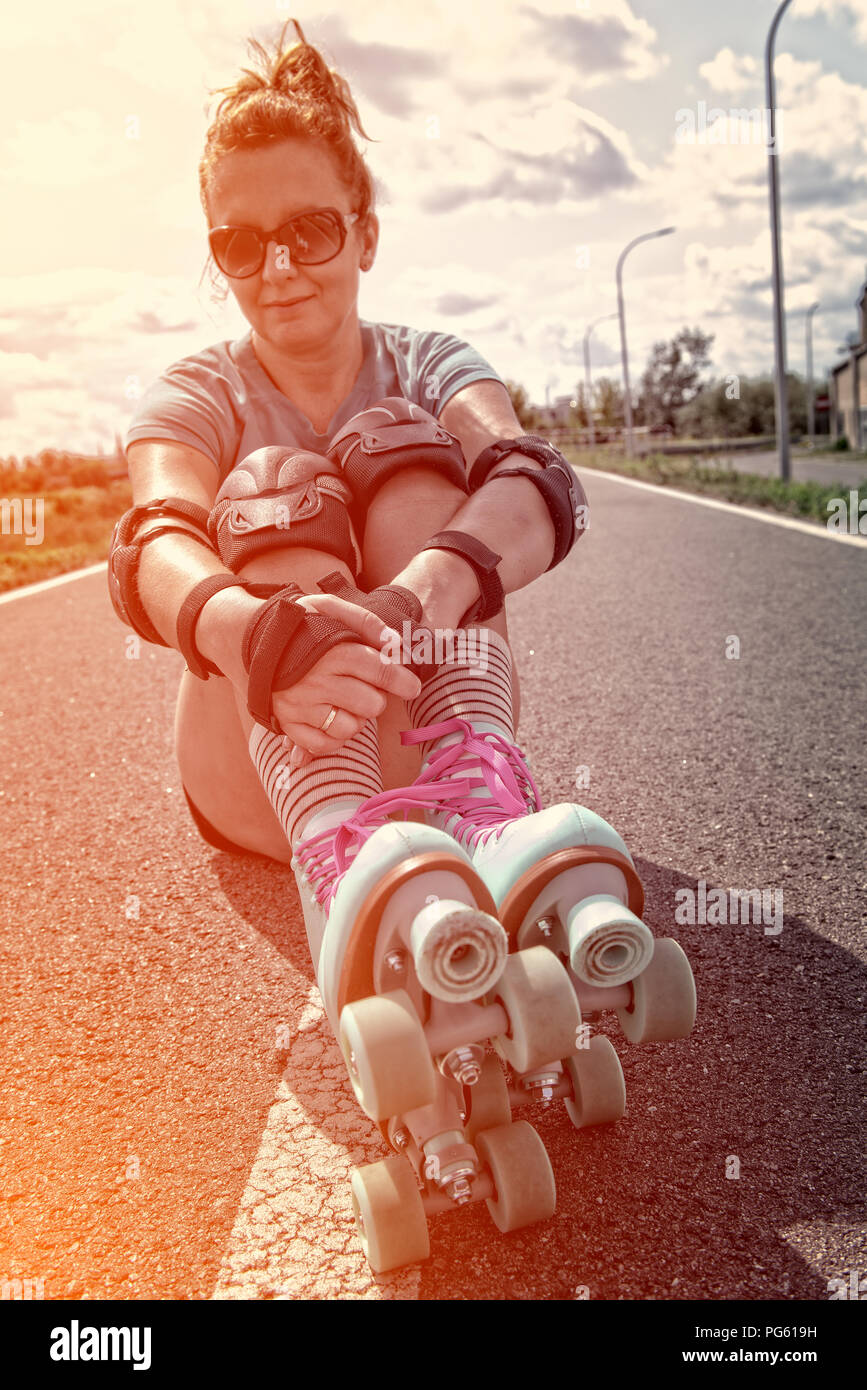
(544,1016)
(597,1082)
(389,1214)
(488,1100)
(386,1054)
(522,1175)
(663,997)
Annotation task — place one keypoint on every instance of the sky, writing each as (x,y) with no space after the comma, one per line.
(518,147)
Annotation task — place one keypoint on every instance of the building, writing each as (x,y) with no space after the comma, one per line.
(849,385)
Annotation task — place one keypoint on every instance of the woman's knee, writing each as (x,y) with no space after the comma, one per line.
(406,511)
(293,563)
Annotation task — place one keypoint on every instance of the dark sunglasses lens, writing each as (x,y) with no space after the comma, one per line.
(314,238)
(237,251)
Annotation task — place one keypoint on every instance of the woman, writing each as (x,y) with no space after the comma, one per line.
(311,412)
(282,144)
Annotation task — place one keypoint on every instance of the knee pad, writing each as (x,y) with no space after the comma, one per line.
(394,434)
(564,496)
(279,497)
(176,514)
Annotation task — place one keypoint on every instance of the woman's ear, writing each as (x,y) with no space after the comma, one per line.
(369,241)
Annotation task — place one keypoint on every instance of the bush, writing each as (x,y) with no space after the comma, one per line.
(91,474)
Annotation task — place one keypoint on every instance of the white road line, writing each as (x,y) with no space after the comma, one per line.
(27,589)
(751,513)
(294,1236)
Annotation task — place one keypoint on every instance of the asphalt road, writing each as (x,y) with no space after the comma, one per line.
(176,1120)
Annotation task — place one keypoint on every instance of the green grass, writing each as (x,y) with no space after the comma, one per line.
(78,522)
(807,499)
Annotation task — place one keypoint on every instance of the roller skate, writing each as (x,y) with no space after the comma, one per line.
(416,977)
(563,879)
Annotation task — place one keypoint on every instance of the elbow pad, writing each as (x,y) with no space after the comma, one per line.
(564,496)
(178,515)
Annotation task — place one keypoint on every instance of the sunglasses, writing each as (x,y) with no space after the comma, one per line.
(311,238)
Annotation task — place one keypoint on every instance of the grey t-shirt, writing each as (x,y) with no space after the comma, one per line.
(223,402)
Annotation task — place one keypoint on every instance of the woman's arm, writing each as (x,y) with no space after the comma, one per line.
(351,676)
(511,518)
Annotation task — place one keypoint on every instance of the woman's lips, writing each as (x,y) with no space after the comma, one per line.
(290,304)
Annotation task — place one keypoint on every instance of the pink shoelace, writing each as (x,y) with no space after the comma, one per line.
(454,771)
(326,857)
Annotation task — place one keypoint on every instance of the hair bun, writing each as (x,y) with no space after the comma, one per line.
(289,93)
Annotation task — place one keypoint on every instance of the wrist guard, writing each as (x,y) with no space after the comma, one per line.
(484,562)
(281,643)
(395,606)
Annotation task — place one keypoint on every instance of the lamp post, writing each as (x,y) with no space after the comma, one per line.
(627,400)
(782,395)
(811,420)
(588,384)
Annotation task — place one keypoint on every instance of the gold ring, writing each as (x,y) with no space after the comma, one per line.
(329,719)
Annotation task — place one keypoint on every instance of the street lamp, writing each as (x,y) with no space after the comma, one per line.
(776,251)
(811,421)
(627,402)
(588,384)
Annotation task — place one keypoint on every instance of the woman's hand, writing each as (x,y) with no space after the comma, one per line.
(353,679)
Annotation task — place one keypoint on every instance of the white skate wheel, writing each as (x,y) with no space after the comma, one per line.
(522,1174)
(389,1214)
(544,1016)
(663,997)
(599,1091)
(386,1054)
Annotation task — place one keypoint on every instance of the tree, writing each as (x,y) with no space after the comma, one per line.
(609,403)
(521,405)
(580,412)
(737,407)
(672,377)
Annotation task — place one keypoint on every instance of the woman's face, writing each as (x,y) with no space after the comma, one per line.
(263,188)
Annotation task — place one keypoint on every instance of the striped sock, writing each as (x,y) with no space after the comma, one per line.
(475,684)
(326,791)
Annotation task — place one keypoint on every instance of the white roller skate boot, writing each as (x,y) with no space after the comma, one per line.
(415,974)
(563,878)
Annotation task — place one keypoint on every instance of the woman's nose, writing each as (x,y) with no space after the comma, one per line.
(278,261)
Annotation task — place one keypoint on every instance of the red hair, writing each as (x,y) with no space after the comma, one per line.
(290,94)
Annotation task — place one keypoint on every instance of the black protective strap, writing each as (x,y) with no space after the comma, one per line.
(166,506)
(195,602)
(484,561)
(189,616)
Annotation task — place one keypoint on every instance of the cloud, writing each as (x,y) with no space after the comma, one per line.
(454,303)
(93,338)
(388,74)
(67,150)
(547,153)
(149,322)
(852,12)
(731,72)
(600,42)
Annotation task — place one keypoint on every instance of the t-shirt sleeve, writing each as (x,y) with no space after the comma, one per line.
(445,365)
(189,404)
